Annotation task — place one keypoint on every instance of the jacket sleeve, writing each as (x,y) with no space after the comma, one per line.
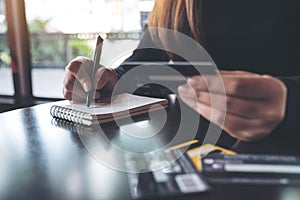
(143,53)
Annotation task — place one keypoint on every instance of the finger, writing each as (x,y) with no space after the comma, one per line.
(236,72)
(69,95)
(241,107)
(74,92)
(71,84)
(79,71)
(217,101)
(80,59)
(255,87)
(240,128)
(103,77)
(188,95)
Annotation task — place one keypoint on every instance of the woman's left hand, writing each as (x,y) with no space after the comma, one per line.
(251,104)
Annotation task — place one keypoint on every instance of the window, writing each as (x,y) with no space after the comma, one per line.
(60,33)
(6,80)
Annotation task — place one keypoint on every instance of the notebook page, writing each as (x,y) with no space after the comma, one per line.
(122,102)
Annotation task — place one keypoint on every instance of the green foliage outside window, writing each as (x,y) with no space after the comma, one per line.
(53,49)
(4,54)
(80,47)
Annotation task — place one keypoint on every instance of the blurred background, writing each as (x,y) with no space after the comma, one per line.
(57,31)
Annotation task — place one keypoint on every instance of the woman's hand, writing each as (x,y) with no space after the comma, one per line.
(77,81)
(254,104)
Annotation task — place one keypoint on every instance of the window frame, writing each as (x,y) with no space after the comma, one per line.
(18,39)
(19,45)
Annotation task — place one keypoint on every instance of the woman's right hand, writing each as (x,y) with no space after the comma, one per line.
(78,83)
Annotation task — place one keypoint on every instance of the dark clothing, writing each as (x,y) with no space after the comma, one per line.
(256,36)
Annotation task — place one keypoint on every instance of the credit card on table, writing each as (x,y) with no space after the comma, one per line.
(163,175)
(252,169)
(196,154)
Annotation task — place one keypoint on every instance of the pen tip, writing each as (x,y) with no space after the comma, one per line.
(88,100)
(99,39)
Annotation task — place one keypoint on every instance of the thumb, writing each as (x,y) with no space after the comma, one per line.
(83,74)
(78,68)
(102,77)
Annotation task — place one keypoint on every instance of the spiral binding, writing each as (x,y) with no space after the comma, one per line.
(69,115)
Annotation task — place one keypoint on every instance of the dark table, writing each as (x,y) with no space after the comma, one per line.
(43,159)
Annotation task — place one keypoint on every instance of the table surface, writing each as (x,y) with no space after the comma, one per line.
(42,159)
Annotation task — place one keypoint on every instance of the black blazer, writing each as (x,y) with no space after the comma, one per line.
(251,35)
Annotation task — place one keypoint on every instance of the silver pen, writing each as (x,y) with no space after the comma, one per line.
(97,55)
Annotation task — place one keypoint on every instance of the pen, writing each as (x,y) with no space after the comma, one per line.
(97,55)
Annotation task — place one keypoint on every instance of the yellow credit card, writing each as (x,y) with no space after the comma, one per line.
(183,145)
(197,153)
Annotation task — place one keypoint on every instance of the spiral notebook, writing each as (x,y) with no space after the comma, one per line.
(121,106)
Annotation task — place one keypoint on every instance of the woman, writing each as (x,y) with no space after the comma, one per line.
(257,38)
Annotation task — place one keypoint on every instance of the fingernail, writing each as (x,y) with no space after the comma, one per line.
(86,86)
(192,81)
(182,90)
